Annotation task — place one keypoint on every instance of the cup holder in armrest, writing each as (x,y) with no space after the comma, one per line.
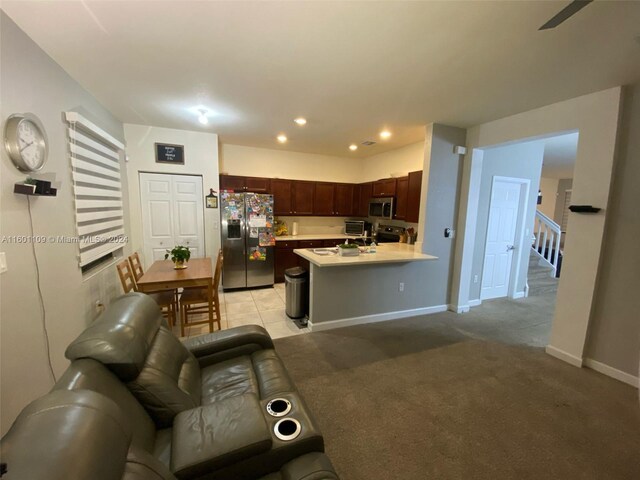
(287,429)
(278,407)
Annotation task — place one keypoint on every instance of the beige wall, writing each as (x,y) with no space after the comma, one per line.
(614,335)
(264,162)
(549,189)
(252,161)
(201,158)
(33,82)
(595,116)
(396,162)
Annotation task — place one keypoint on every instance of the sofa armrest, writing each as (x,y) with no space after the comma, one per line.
(234,342)
(312,466)
(217,435)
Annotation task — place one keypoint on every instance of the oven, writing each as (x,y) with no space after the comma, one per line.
(381,207)
(388,234)
(354,227)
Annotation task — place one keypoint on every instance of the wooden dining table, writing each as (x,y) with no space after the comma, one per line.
(163,276)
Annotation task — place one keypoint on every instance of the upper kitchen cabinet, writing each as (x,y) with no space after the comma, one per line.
(303,193)
(257,184)
(282,191)
(413,197)
(343,199)
(402,191)
(365,194)
(245,184)
(384,188)
(323,202)
(232,182)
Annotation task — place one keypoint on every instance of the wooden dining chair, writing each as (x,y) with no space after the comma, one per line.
(196,301)
(165,300)
(138,271)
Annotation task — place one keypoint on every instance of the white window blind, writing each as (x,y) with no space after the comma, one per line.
(97,187)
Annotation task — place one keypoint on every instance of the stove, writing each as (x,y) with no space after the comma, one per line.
(389,234)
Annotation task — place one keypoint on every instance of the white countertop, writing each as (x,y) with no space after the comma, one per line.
(386,253)
(315,236)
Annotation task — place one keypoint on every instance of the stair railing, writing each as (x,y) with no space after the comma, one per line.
(546,244)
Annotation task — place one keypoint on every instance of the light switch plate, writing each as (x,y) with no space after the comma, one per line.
(3,262)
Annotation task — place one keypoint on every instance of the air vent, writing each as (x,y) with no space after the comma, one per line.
(368,143)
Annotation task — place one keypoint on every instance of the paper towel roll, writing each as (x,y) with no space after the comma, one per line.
(294,229)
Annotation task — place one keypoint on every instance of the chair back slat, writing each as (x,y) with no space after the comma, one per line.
(126,277)
(136,266)
(218,272)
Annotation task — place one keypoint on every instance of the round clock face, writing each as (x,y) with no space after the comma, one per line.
(26,142)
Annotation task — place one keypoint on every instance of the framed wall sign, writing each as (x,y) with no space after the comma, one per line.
(211,199)
(168,153)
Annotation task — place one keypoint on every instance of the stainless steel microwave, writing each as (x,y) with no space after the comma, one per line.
(381,207)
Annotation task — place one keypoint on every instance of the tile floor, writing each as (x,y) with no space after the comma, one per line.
(263,306)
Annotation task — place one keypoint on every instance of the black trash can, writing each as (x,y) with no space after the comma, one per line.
(296,287)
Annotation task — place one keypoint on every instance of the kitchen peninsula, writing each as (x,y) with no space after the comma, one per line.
(370,287)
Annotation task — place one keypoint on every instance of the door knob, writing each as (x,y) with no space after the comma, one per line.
(510,247)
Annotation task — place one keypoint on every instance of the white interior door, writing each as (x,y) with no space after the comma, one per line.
(172,214)
(501,236)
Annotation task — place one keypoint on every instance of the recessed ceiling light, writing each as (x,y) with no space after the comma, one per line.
(385,134)
(282,138)
(202,117)
(353,147)
(300,121)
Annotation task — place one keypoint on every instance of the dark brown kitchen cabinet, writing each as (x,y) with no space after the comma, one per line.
(402,191)
(384,188)
(303,197)
(332,243)
(282,191)
(323,202)
(257,184)
(413,196)
(366,192)
(309,243)
(284,258)
(343,199)
(232,182)
(238,183)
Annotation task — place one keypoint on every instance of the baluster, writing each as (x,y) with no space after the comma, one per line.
(538,236)
(545,249)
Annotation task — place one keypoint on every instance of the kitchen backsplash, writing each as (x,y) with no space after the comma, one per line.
(330,225)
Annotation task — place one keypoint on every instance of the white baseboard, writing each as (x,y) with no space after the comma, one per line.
(475,303)
(458,308)
(519,295)
(564,356)
(379,317)
(612,372)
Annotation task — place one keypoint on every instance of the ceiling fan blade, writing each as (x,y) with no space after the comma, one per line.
(571,9)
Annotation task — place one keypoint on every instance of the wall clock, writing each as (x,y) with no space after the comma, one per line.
(26,142)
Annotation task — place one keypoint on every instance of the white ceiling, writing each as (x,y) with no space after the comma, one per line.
(560,156)
(351,68)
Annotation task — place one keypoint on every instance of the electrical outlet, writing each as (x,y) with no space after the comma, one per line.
(401,287)
(475,279)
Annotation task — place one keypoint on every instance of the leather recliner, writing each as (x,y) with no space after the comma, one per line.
(164,409)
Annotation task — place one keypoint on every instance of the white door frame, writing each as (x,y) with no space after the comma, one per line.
(525,186)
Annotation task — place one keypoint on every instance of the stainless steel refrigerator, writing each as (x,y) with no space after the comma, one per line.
(247,239)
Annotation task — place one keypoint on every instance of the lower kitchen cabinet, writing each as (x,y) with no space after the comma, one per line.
(285,258)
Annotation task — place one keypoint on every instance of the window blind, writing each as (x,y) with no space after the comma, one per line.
(97,188)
